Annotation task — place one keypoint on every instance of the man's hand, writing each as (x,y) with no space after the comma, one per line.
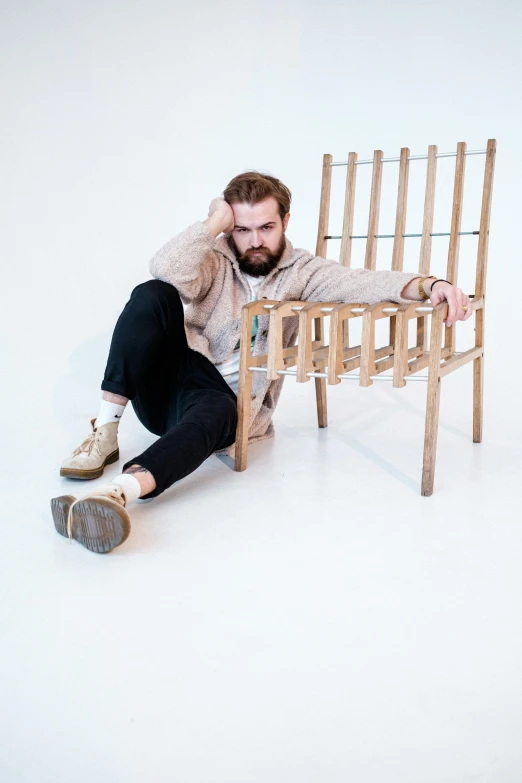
(456,299)
(220,217)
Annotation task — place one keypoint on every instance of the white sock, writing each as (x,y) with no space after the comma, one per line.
(130,486)
(109,412)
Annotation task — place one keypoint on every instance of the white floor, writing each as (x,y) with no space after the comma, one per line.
(312,619)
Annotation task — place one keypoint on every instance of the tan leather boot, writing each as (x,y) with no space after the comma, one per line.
(100,448)
(97,520)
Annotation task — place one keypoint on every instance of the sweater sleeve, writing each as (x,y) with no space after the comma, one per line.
(328,281)
(188,262)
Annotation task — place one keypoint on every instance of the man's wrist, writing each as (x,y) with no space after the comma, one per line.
(435,282)
(427,285)
(417,285)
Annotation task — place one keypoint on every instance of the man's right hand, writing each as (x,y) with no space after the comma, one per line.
(220,217)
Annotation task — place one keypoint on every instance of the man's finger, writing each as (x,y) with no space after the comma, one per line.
(469,311)
(452,307)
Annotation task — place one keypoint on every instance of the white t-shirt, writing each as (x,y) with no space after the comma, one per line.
(229,369)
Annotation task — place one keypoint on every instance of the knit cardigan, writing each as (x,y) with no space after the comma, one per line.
(206,274)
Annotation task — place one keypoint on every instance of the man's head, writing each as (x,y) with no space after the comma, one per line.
(261,207)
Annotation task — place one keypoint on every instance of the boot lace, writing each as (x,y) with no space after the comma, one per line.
(90,442)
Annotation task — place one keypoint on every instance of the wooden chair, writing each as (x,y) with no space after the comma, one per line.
(332,363)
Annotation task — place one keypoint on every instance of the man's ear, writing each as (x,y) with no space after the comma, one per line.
(285,220)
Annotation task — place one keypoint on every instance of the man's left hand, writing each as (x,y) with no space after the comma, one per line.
(456,299)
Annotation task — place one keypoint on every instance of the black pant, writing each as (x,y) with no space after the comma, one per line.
(177,393)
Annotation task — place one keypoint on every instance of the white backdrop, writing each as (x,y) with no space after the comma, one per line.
(120,122)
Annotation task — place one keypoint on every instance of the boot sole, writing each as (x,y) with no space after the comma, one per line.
(77,473)
(60,510)
(98,524)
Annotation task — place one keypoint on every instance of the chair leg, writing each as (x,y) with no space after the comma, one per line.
(320,383)
(243,418)
(432,405)
(320,396)
(430,437)
(478,378)
(478,398)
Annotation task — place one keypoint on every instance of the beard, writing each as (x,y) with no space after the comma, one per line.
(257,265)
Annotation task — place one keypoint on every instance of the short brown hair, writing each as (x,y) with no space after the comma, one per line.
(252,187)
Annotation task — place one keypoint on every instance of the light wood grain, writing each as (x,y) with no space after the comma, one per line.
(275,358)
(454,242)
(324,207)
(459,361)
(349,203)
(480,289)
(307,354)
(485,214)
(373,218)
(478,378)
(400,215)
(340,315)
(400,352)
(245,381)
(320,383)
(427,229)
(429,211)
(368,353)
(433,401)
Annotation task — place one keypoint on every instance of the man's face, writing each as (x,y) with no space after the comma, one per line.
(258,239)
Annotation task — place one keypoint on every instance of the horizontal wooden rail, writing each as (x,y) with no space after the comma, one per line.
(459,361)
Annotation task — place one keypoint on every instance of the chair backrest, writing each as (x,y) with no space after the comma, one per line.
(399,235)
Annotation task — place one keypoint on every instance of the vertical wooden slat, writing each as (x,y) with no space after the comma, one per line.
(429,210)
(478,378)
(482,254)
(432,402)
(341,314)
(349,203)
(480,289)
(456,215)
(345,256)
(373,219)
(244,391)
(454,243)
(324,207)
(427,228)
(320,383)
(400,217)
(335,356)
(400,348)
(304,346)
(320,250)
(367,366)
(400,226)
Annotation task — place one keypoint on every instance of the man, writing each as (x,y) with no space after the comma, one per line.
(180,368)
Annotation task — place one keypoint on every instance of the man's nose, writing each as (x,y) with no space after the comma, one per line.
(257,240)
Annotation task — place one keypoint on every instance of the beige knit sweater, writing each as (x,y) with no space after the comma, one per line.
(207,276)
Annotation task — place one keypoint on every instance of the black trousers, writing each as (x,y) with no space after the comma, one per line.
(177,393)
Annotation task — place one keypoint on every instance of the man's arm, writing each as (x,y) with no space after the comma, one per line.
(188,261)
(328,281)
(220,217)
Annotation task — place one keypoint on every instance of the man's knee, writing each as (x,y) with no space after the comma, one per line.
(153,291)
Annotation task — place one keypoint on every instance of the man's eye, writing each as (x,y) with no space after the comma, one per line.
(267,228)
(240,230)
